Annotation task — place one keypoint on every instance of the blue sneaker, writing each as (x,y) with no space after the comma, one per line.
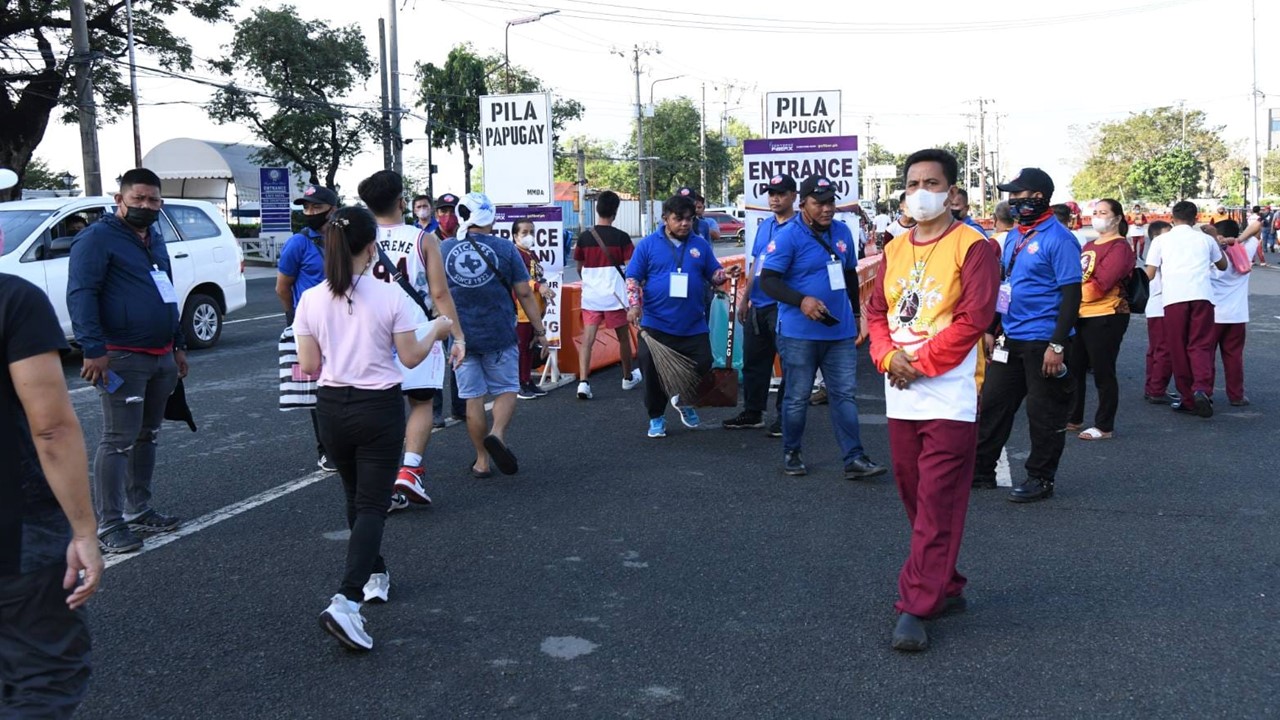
(689,417)
(658,428)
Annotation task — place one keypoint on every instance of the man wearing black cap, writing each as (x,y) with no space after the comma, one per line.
(759,315)
(446,229)
(811,269)
(1036,312)
(300,268)
(446,218)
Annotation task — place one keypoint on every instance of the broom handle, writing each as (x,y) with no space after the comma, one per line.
(733,313)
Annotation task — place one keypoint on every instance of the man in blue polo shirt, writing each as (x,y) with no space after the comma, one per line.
(1036,312)
(301,267)
(666,282)
(811,269)
(960,210)
(759,316)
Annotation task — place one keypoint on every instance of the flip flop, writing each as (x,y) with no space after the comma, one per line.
(502,455)
(1072,427)
(1094,433)
(480,474)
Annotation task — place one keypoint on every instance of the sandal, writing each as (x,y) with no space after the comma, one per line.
(1074,427)
(1094,433)
(501,455)
(480,474)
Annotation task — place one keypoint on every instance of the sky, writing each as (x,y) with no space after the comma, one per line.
(913,72)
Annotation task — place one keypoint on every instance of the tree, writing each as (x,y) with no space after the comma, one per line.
(304,68)
(606,168)
(42,177)
(1115,147)
(1165,177)
(1271,175)
(450,94)
(672,135)
(739,132)
(36,72)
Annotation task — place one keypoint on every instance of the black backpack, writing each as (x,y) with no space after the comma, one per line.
(1138,290)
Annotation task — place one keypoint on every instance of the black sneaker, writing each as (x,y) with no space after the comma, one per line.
(119,540)
(154,522)
(793,465)
(1031,490)
(863,468)
(527,392)
(744,420)
(1204,405)
(775,430)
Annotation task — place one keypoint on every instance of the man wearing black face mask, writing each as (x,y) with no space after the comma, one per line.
(960,210)
(1036,312)
(125,315)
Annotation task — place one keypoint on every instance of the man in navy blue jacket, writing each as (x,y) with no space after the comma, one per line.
(125,314)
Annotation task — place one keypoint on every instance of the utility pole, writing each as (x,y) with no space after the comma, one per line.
(636,52)
(393,50)
(702,145)
(997,157)
(1253,105)
(387,159)
(582,190)
(85,107)
(133,85)
(982,150)
(868,187)
(724,140)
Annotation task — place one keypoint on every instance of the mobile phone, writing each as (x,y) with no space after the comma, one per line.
(112,383)
(828,319)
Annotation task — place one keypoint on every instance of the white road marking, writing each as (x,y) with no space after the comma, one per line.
(1003,478)
(253,319)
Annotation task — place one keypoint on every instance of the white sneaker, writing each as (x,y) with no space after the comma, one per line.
(633,381)
(378,587)
(342,619)
(398,502)
(584,390)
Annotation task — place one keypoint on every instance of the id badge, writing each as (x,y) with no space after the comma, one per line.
(679,285)
(1003,299)
(1000,355)
(835,275)
(165,287)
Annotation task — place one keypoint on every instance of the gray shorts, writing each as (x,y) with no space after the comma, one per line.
(492,373)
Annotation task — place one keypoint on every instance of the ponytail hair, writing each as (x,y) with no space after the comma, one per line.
(349,231)
(1118,210)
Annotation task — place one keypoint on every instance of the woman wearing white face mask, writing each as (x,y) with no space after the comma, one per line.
(1106,264)
(522,235)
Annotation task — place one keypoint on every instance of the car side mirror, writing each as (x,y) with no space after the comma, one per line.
(58,247)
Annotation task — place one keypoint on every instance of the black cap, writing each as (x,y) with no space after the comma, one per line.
(317,195)
(689,193)
(781,184)
(447,200)
(1030,180)
(818,187)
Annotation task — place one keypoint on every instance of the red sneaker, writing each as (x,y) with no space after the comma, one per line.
(409,482)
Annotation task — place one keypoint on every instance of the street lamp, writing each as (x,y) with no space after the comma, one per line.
(506,42)
(655,82)
(70,181)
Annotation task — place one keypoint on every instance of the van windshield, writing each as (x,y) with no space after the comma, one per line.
(17,226)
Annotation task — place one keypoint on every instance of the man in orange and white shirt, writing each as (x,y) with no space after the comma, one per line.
(933,298)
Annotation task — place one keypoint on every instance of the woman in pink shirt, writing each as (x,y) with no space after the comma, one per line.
(346,329)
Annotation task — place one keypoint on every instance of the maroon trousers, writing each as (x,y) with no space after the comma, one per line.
(933,463)
(1189,333)
(1229,339)
(1159,364)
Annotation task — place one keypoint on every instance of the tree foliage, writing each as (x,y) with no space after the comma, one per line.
(1116,147)
(36,69)
(1166,177)
(42,177)
(300,71)
(606,168)
(450,93)
(672,136)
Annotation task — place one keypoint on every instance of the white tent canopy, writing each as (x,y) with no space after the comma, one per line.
(204,170)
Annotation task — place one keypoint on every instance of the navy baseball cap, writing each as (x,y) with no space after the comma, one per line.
(781,183)
(1030,180)
(447,200)
(317,195)
(819,188)
(690,193)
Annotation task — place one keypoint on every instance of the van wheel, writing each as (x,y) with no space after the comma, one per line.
(202,322)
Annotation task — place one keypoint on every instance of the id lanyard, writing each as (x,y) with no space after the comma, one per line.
(1018,249)
(835,268)
(678,285)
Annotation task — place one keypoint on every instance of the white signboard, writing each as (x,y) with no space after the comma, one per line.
(548,250)
(835,158)
(802,114)
(515,141)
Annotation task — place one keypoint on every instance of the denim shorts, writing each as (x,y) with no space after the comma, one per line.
(492,373)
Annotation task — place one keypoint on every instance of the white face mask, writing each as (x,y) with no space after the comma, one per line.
(424,214)
(1101,224)
(525,242)
(924,205)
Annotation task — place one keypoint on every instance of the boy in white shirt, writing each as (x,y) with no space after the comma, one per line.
(1183,257)
(1159,364)
(1231,304)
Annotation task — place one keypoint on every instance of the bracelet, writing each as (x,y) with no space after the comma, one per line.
(463,343)
(541,333)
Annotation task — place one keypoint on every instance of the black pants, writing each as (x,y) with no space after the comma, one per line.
(1048,402)
(44,647)
(695,347)
(1096,347)
(363,431)
(315,426)
(759,350)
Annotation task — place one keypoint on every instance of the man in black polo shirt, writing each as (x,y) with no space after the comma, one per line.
(47,530)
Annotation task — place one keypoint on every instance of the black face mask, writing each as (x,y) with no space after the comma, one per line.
(315,222)
(140,217)
(1027,210)
(956,214)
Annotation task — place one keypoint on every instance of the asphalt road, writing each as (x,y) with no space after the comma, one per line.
(618,576)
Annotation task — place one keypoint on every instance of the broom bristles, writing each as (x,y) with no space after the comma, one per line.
(677,372)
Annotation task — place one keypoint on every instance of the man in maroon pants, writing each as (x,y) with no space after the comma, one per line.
(1184,257)
(933,298)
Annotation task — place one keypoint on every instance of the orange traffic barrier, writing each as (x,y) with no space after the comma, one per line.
(605,351)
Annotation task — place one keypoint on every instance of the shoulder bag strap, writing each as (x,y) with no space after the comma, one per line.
(399,279)
(607,254)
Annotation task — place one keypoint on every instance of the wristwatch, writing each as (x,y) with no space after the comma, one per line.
(1057,348)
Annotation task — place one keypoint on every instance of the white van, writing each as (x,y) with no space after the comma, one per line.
(208,266)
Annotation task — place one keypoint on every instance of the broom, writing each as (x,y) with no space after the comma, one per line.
(677,372)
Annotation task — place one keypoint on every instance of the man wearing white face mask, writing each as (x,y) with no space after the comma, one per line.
(424,215)
(933,298)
